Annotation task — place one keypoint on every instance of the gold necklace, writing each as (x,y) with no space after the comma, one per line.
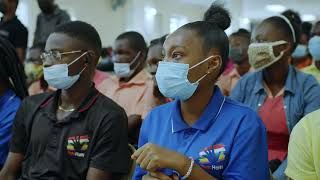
(66,110)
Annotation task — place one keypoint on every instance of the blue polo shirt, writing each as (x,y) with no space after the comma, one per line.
(228,141)
(9,104)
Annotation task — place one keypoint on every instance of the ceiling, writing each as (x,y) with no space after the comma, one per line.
(256,9)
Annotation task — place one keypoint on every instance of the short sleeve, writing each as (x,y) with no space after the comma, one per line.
(21,38)
(311,95)
(19,141)
(300,160)
(143,139)
(64,17)
(111,152)
(249,153)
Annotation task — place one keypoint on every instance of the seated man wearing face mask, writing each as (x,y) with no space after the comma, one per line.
(34,72)
(239,43)
(74,132)
(314,49)
(132,86)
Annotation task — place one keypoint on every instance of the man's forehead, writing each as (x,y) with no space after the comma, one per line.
(63,42)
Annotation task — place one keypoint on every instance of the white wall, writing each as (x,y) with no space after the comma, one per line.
(97,12)
(110,23)
(154,27)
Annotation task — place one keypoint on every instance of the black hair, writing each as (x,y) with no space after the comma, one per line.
(242,33)
(306,28)
(16,2)
(136,40)
(293,15)
(216,19)
(39,45)
(11,69)
(280,23)
(159,41)
(83,32)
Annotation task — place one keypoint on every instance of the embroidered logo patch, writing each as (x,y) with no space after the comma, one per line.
(77,146)
(212,157)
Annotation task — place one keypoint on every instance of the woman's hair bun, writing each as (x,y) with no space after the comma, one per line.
(218,16)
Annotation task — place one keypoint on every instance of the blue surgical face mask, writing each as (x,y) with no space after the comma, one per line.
(314,48)
(123,70)
(172,79)
(57,76)
(300,51)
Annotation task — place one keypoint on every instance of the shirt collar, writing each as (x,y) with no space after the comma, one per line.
(288,87)
(138,79)
(206,119)
(51,102)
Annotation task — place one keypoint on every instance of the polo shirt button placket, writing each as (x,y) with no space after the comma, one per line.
(187,134)
(53,141)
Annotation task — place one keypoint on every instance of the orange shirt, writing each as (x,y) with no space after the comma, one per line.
(229,81)
(135,96)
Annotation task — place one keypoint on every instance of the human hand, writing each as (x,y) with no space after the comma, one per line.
(159,176)
(152,157)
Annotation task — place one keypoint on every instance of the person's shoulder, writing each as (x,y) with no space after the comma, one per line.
(242,112)
(106,104)
(250,76)
(64,13)
(37,100)
(310,123)
(21,27)
(303,77)
(248,81)
(163,108)
(161,111)
(238,107)
(308,68)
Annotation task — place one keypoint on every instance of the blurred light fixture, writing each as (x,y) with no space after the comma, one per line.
(150,11)
(308,17)
(277,8)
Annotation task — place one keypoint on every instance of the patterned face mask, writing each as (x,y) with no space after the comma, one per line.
(261,55)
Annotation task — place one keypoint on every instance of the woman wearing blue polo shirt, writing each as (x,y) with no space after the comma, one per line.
(12,89)
(202,134)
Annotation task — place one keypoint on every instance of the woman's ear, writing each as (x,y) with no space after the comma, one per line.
(214,64)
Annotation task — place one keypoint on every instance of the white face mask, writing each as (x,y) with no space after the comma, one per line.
(172,79)
(261,55)
(123,70)
(57,76)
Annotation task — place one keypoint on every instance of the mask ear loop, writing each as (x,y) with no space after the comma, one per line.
(83,69)
(78,58)
(201,62)
(277,44)
(202,77)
